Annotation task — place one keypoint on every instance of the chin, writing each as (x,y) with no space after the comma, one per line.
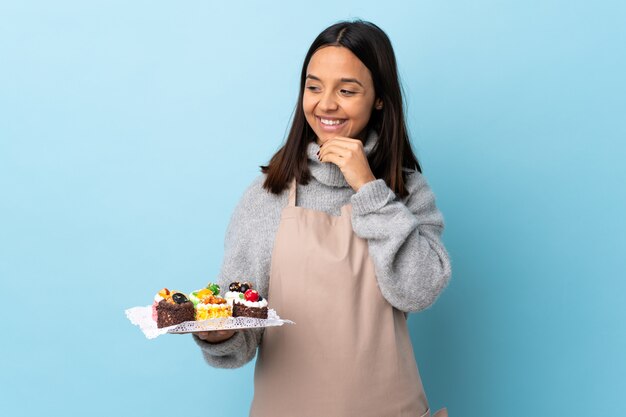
(324,137)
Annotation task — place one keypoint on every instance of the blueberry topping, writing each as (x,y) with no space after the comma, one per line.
(244,287)
(179,298)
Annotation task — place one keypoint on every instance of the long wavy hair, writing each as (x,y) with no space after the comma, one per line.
(392,153)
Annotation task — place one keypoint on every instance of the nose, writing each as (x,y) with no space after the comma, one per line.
(328,102)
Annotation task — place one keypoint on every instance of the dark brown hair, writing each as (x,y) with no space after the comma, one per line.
(393,151)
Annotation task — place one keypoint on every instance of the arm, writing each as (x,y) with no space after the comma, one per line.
(232,353)
(404,239)
(245,259)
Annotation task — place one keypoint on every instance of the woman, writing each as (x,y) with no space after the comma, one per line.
(342,235)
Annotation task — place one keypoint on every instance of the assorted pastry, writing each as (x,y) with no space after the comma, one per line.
(246,301)
(171,307)
(241,300)
(209,304)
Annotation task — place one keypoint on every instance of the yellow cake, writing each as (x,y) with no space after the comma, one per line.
(209,304)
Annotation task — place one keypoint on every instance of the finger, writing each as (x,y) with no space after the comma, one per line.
(335,143)
(333,149)
(345,153)
(346,138)
(334,158)
(345,142)
(353,147)
(214,335)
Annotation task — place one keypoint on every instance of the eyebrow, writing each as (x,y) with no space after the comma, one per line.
(343,80)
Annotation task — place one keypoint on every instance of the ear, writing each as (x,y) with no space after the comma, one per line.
(378,104)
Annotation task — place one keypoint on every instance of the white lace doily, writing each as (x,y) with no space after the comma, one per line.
(142,317)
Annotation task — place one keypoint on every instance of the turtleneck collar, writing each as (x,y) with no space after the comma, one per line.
(328,173)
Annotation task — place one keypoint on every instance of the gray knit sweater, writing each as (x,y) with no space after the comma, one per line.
(404,240)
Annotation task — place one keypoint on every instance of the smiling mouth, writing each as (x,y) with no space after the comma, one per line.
(332,123)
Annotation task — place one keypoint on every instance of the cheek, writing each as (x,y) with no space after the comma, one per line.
(362,114)
(307,105)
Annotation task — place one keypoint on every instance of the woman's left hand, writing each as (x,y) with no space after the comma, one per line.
(349,156)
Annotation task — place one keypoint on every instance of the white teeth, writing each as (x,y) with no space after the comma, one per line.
(331,122)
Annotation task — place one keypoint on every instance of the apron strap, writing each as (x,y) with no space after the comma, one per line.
(292,193)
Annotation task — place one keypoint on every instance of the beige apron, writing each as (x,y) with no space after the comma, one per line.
(349,353)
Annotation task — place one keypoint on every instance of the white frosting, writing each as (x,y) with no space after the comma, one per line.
(158,298)
(195,300)
(257,304)
(230,295)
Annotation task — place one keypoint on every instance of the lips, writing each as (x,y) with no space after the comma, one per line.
(330,124)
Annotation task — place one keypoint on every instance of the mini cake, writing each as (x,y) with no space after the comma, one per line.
(209,304)
(246,301)
(212,307)
(173,308)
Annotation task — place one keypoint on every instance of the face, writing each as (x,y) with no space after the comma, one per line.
(339,95)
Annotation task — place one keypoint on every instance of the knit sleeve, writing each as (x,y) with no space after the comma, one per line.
(404,239)
(246,258)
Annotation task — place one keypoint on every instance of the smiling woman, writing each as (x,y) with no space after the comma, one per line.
(343,217)
(339,94)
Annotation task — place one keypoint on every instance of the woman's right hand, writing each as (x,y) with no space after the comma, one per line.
(216,336)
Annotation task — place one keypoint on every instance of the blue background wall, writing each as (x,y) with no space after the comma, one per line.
(128,131)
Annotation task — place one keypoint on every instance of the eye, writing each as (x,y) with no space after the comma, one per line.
(347,92)
(312,88)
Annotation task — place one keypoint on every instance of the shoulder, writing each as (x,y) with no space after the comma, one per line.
(256,211)
(256,197)
(416,183)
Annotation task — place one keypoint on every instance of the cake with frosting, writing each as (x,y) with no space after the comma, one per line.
(246,301)
(208,304)
(171,307)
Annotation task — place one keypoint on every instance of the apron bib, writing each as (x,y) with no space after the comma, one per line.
(349,353)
